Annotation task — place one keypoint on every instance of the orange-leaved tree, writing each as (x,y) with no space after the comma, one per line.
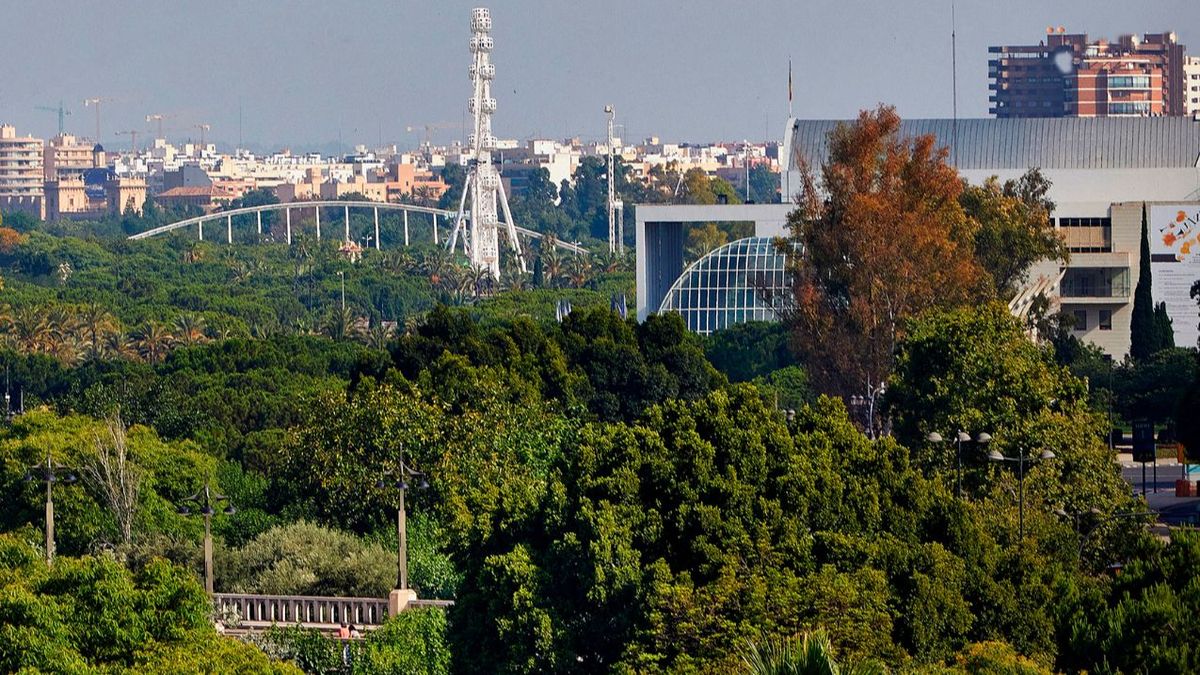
(880,237)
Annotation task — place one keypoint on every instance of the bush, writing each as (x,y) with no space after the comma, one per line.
(306,559)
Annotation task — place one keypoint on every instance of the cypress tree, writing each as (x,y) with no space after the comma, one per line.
(538,271)
(1164,332)
(1142,330)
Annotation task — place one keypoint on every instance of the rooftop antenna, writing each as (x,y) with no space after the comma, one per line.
(954,83)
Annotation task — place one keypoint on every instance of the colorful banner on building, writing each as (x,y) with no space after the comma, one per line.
(1175,265)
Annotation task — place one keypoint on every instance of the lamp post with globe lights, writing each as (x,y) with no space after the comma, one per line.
(983,438)
(402,594)
(49,472)
(1021,460)
(207,500)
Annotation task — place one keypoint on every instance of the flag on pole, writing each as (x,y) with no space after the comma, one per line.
(789,87)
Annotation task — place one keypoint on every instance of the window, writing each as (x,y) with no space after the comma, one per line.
(1080,319)
(1105,319)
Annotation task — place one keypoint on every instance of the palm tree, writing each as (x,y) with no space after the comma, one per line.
(31,331)
(118,345)
(65,327)
(481,281)
(436,263)
(378,336)
(189,329)
(579,271)
(95,323)
(812,654)
(340,324)
(513,279)
(552,262)
(153,341)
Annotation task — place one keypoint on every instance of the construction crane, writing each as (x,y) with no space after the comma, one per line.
(429,129)
(133,134)
(157,117)
(62,113)
(96,101)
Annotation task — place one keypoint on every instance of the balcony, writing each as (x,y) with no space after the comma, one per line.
(1091,285)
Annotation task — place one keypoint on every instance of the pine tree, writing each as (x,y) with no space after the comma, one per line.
(1143,333)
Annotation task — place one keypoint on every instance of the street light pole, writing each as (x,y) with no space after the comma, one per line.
(206,499)
(342,274)
(402,595)
(49,473)
(961,437)
(1100,520)
(1021,461)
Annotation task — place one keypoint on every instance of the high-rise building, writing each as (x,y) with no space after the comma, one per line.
(1191,83)
(20,173)
(1066,75)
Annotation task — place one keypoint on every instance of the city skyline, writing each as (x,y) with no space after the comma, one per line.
(364,74)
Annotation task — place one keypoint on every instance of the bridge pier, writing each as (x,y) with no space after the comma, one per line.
(287,215)
(318,209)
(201,226)
(229,229)
(377,227)
(259,214)
(346,219)
(435,235)
(406,228)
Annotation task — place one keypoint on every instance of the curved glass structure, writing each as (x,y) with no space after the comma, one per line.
(723,288)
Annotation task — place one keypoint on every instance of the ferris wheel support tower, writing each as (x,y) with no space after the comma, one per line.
(483,186)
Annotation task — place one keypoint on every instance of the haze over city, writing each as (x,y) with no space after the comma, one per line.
(306,74)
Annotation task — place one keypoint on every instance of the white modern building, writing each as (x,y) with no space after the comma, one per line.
(1102,170)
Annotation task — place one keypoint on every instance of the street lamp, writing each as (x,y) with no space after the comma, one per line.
(401,483)
(859,402)
(207,500)
(962,437)
(1021,459)
(1099,519)
(49,473)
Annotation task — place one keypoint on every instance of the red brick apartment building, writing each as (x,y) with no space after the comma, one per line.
(1066,75)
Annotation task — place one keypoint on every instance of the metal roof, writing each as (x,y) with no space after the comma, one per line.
(1046,143)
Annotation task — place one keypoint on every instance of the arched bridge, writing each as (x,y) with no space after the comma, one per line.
(316,206)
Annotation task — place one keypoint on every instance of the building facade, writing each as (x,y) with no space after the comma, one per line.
(67,157)
(1066,75)
(20,173)
(1101,172)
(1191,78)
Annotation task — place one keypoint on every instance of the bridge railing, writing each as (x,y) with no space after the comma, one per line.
(255,612)
(261,611)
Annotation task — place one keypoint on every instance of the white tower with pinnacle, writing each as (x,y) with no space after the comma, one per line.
(483,187)
(616,208)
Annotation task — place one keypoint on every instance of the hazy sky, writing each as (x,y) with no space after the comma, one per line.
(307,73)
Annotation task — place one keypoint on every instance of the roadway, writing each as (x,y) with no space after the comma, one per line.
(1160,493)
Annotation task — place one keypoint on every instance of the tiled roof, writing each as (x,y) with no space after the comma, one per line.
(1047,143)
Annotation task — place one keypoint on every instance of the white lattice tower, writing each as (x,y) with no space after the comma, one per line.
(484,188)
(612,220)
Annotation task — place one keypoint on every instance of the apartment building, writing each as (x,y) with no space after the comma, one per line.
(1068,75)
(1191,78)
(20,173)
